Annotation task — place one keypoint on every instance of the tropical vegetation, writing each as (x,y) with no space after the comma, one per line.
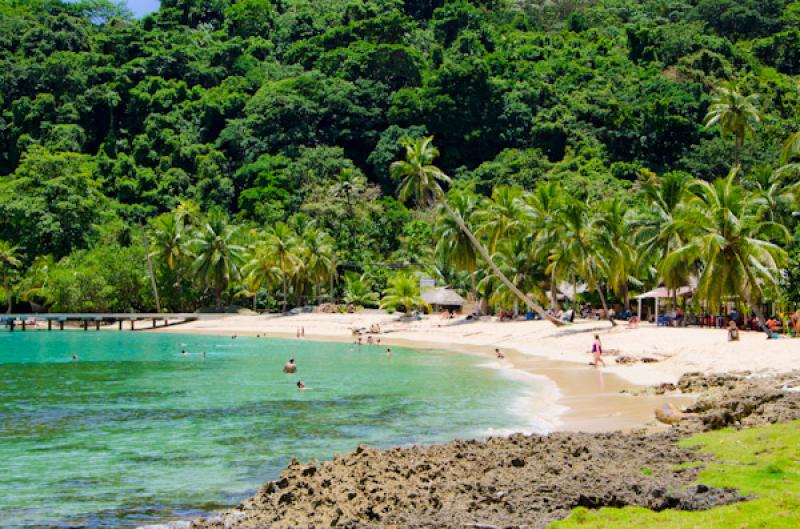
(273,154)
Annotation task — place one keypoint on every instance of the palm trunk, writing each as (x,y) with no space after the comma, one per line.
(605,306)
(574,293)
(150,270)
(7,287)
(285,293)
(553,289)
(255,295)
(500,275)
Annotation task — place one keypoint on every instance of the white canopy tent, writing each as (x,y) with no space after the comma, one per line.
(662,293)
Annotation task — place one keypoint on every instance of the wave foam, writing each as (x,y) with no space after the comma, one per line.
(537,405)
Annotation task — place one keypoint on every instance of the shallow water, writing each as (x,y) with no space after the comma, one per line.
(133,433)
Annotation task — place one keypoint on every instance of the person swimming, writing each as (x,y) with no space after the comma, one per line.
(185,353)
(74,357)
(388,352)
(300,385)
(290,366)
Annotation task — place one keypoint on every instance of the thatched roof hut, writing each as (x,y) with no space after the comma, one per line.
(442,298)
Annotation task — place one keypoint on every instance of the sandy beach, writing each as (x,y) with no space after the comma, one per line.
(588,399)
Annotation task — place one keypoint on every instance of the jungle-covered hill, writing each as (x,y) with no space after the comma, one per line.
(276,110)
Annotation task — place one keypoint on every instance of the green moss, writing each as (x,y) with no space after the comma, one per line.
(760,462)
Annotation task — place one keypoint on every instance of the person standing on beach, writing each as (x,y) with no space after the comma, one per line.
(498,353)
(302,332)
(597,351)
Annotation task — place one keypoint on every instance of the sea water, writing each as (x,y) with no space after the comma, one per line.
(135,433)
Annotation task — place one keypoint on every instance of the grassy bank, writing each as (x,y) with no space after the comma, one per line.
(760,462)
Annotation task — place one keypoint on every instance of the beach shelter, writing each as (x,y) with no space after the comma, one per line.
(661,293)
(443,298)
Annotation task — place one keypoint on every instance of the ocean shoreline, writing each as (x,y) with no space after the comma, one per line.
(625,406)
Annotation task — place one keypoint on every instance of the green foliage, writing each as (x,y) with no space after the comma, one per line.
(276,112)
(403,294)
(763,463)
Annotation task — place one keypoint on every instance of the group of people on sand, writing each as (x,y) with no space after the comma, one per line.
(300,332)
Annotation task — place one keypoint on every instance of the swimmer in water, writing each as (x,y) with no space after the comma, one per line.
(300,385)
(74,357)
(290,366)
(388,352)
(203,355)
(185,353)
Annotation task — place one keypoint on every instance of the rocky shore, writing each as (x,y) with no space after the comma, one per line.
(520,481)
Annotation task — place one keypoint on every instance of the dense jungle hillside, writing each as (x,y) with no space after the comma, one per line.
(256,116)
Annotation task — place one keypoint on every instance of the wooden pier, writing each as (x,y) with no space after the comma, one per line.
(135,321)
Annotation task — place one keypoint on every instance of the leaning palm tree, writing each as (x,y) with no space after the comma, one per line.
(502,216)
(736,114)
(9,261)
(733,245)
(403,294)
(419,177)
(218,256)
(452,244)
(282,244)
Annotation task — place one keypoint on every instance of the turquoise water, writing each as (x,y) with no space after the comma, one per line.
(133,433)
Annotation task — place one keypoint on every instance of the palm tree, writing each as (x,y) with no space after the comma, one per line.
(732,245)
(318,256)
(169,238)
(777,196)
(403,294)
(790,156)
(664,226)
(9,260)
(421,178)
(583,247)
(736,114)
(358,293)
(260,270)
(616,242)
(218,256)
(452,244)
(502,216)
(36,283)
(282,244)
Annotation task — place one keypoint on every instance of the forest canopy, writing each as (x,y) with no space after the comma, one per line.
(260,113)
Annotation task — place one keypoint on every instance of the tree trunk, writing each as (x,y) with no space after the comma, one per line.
(150,269)
(500,275)
(332,278)
(7,287)
(553,289)
(255,295)
(574,293)
(285,293)
(605,306)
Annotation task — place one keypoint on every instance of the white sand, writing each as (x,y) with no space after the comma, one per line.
(679,350)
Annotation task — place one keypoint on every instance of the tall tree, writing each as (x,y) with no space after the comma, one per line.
(736,114)
(733,245)
(419,177)
(218,256)
(282,243)
(9,261)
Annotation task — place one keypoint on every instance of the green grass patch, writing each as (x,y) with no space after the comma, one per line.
(761,462)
